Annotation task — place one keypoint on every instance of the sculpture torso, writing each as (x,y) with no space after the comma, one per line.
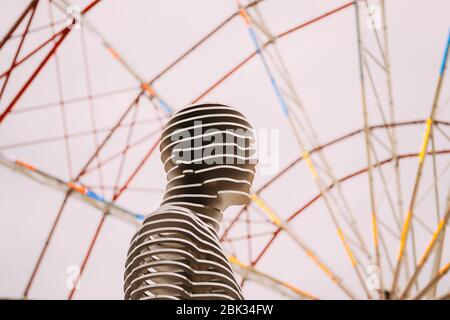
(177,255)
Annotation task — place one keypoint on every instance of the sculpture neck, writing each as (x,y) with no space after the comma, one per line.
(210,215)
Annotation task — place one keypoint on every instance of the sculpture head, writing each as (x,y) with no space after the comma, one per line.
(208,155)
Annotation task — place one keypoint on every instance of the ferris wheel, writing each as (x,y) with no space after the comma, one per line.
(353,201)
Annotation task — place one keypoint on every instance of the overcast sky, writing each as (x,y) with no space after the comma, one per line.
(322,60)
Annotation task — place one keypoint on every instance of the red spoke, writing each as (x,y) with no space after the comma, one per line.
(55,47)
(101,223)
(254,53)
(22,41)
(8,35)
(67,195)
(60,211)
(119,153)
(331,186)
(61,98)
(286,169)
(32,53)
(91,104)
(70,136)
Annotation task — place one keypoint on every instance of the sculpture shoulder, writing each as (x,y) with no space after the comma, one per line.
(172,214)
(176,220)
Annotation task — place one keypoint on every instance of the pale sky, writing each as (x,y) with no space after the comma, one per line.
(322,60)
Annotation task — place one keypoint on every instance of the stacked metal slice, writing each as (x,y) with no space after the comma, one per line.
(208,155)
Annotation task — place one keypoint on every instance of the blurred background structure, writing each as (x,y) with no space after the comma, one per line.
(354,92)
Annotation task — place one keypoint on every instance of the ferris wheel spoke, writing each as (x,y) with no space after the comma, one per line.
(6,112)
(66,198)
(62,35)
(292,164)
(61,98)
(94,128)
(29,8)
(384,64)
(248,234)
(441,273)
(126,148)
(373,208)
(387,255)
(311,166)
(44,249)
(391,106)
(151,93)
(407,225)
(32,12)
(431,186)
(266,280)
(106,212)
(29,55)
(341,180)
(386,191)
(73,135)
(429,249)
(380,48)
(283,225)
(119,153)
(377,62)
(265,44)
(437,260)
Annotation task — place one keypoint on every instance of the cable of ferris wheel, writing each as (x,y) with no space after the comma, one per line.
(367,139)
(343,179)
(37,29)
(71,136)
(94,96)
(63,34)
(145,86)
(441,273)
(151,92)
(19,47)
(202,40)
(269,281)
(55,223)
(249,57)
(347,214)
(31,53)
(69,193)
(293,163)
(81,192)
(407,225)
(377,36)
(311,166)
(116,196)
(282,224)
(41,65)
(18,21)
(429,249)
(258,200)
(386,66)
(303,25)
(98,202)
(60,91)
(394,212)
(120,152)
(391,106)
(441,236)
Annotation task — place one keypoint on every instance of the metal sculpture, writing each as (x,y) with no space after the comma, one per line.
(207,151)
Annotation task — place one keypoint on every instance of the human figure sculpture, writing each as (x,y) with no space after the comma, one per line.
(207,152)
